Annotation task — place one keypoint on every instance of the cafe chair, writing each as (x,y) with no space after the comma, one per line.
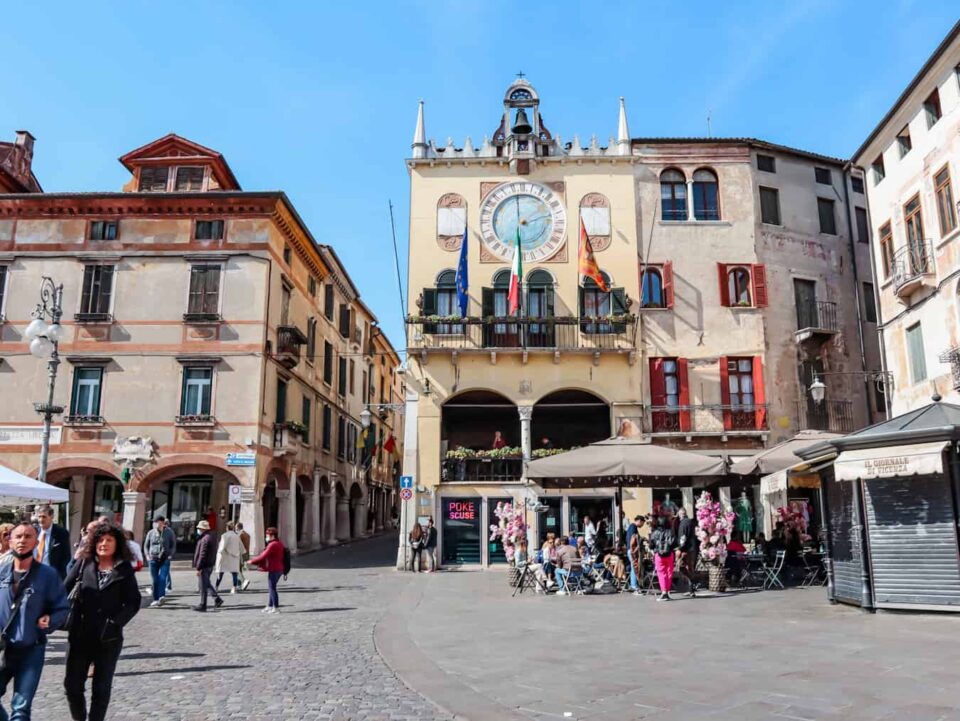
(773,571)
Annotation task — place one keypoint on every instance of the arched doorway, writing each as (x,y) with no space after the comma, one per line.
(569,418)
(304,487)
(270,504)
(323,502)
(469,423)
(358,516)
(94,491)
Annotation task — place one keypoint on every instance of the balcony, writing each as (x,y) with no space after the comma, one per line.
(816,320)
(195,420)
(201,318)
(83,318)
(834,416)
(912,265)
(81,421)
(287,438)
(952,357)
(709,419)
(568,334)
(474,469)
(289,340)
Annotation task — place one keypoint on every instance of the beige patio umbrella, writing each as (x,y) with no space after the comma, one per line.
(780,456)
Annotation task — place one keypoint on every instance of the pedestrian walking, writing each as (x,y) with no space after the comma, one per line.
(664,542)
(244,555)
(159,547)
(687,544)
(228,557)
(204,558)
(106,597)
(271,561)
(416,546)
(633,551)
(430,545)
(53,542)
(24,626)
(5,529)
(136,550)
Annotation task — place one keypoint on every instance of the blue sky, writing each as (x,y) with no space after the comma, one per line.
(319,99)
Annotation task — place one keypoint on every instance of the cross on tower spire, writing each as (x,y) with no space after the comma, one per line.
(521,75)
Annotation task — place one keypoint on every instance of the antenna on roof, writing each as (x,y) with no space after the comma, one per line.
(709,129)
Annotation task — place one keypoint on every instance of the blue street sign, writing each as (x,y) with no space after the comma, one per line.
(241,459)
(406,481)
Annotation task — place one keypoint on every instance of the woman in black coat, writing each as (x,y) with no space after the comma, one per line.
(107,599)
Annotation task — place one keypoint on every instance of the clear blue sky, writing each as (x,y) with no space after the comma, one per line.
(319,99)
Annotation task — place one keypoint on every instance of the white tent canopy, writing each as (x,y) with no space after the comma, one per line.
(16,488)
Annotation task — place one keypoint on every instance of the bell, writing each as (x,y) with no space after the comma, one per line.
(521,125)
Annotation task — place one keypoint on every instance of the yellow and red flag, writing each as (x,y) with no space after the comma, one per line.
(588,264)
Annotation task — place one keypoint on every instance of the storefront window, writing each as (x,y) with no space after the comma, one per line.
(597,509)
(107,499)
(550,520)
(461,530)
(495,548)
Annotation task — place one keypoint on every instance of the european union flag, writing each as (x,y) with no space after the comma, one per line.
(462,281)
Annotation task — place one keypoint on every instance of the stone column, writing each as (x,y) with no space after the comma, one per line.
(343,519)
(286,500)
(79,488)
(690,215)
(329,530)
(526,413)
(314,511)
(360,518)
(251,516)
(134,505)
(725,500)
(688,501)
(310,510)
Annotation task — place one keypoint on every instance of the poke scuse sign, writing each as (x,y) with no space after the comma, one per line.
(462,510)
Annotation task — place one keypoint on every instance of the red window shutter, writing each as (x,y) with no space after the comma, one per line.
(759,395)
(668,284)
(725,394)
(682,379)
(724,292)
(759,286)
(658,384)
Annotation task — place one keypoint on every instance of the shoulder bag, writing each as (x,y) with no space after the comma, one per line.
(74,600)
(14,610)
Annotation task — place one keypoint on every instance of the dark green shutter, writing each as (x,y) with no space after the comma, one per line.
(487,307)
(429,308)
(618,306)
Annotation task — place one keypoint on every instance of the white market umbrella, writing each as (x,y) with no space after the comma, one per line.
(16,489)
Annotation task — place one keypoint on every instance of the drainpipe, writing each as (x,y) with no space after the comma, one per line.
(856,285)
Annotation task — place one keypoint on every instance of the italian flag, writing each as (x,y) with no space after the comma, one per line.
(516,273)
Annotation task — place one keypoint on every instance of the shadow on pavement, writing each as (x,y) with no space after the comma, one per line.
(186,669)
(320,610)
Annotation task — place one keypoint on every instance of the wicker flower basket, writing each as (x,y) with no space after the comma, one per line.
(717,580)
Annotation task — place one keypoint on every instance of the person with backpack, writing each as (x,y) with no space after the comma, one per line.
(275,560)
(159,546)
(663,541)
(416,545)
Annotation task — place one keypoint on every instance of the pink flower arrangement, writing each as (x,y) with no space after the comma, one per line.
(793,520)
(713,529)
(510,527)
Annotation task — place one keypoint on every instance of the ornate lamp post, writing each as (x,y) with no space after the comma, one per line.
(44,343)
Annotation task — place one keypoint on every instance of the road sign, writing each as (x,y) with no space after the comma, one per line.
(406,481)
(241,459)
(233,494)
(406,494)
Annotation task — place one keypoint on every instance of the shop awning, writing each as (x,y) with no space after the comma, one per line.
(781,456)
(918,459)
(16,488)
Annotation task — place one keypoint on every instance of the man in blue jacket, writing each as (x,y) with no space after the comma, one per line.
(33,604)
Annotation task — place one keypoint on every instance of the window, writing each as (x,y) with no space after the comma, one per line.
(353,372)
(204,295)
(443,300)
(828,221)
(281,416)
(154,180)
(856,184)
(209,230)
(669,395)
(85,400)
(328,304)
(879,172)
(196,392)
(189,179)
(863,228)
(904,144)
(770,206)
(742,286)
(305,416)
(341,437)
(742,394)
(931,106)
(327,426)
(287,254)
(706,195)
(913,221)
(365,388)
(656,286)
(823,176)
(918,362)
(342,376)
(312,286)
(311,339)
(97,291)
(327,363)
(596,304)
(284,304)
(766,163)
(886,249)
(869,304)
(673,195)
(103,230)
(946,210)
(344,325)
(3,287)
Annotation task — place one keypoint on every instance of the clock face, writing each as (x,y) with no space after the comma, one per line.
(528,210)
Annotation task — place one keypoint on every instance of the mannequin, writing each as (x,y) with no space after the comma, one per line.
(744,511)
(668,506)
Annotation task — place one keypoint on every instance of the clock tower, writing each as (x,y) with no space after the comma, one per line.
(521,136)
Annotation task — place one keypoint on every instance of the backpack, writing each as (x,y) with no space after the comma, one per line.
(287,563)
(663,545)
(157,550)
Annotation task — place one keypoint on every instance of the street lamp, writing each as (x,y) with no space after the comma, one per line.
(818,390)
(883,380)
(44,344)
(365,416)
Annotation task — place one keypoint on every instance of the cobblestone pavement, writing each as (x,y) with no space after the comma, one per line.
(315,660)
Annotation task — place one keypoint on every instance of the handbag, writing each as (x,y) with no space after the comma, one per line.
(14,609)
(74,600)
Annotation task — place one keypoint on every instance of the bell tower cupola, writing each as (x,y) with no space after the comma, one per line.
(521,136)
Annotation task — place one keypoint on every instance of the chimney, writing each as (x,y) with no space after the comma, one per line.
(25,141)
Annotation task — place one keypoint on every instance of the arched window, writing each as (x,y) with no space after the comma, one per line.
(738,286)
(442,300)
(673,195)
(496,303)
(596,304)
(540,305)
(651,285)
(706,195)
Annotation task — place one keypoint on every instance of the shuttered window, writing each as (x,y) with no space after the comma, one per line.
(918,360)
(828,221)
(327,363)
(209,230)
(863,228)
(328,304)
(103,230)
(946,210)
(204,289)
(770,206)
(97,289)
(154,180)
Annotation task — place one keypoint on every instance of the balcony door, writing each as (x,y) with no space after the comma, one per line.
(496,304)
(913,221)
(805,293)
(540,305)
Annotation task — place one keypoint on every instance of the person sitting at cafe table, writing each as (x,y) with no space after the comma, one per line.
(589,532)
(546,443)
(498,441)
(760,544)
(548,554)
(566,558)
(734,563)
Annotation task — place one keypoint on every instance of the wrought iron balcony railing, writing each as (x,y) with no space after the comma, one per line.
(817,316)
(289,340)
(712,418)
(911,264)
(82,420)
(828,415)
(952,357)
(565,333)
(195,420)
(481,469)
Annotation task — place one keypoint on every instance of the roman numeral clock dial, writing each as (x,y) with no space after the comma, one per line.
(529,210)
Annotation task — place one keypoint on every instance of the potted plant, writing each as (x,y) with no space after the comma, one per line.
(713,529)
(509,530)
